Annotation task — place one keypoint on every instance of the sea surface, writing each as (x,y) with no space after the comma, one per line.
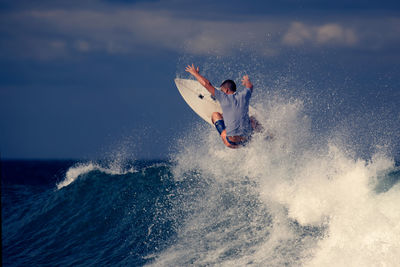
(296,199)
(69,213)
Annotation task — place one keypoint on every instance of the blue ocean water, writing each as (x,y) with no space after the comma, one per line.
(100,219)
(144,215)
(302,198)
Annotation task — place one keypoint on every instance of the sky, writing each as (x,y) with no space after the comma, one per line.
(94,78)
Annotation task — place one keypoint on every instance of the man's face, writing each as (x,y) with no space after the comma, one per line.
(225,90)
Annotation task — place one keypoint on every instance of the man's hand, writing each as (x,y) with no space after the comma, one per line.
(246,82)
(192,70)
(202,80)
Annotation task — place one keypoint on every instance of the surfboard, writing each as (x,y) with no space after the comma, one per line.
(199,99)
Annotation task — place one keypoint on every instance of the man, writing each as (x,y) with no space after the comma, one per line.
(234,124)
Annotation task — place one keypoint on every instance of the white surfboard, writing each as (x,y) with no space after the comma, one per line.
(199,99)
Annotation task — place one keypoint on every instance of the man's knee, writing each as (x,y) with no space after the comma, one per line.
(216,116)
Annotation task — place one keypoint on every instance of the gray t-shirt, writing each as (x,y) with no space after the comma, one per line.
(235,109)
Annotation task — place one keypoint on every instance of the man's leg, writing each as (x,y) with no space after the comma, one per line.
(257,127)
(216,116)
(218,121)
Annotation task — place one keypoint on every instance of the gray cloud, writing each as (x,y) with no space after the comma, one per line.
(52,33)
(326,34)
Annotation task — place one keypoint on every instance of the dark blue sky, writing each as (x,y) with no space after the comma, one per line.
(81,79)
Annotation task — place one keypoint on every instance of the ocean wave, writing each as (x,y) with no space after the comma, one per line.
(299,199)
(83,168)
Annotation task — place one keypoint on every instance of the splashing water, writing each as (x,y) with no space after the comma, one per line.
(117,166)
(297,200)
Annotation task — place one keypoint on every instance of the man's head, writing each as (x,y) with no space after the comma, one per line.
(229,85)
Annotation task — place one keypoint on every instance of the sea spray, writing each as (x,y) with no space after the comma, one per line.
(118,162)
(83,168)
(298,199)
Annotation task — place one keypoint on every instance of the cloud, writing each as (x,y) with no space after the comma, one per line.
(327,34)
(129,30)
(334,33)
(52,33)
(82,46)
(297,34)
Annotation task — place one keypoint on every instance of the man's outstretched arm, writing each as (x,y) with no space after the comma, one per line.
(246,82)
(202,80)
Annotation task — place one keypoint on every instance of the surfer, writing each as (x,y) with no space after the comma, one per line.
(234,124)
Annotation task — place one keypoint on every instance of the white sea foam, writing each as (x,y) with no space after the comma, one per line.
(73,173)
(297,200)
(338,191)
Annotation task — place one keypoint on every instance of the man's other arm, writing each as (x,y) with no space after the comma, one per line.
(202,80)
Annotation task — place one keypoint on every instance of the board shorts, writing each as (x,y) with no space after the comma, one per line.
(220,125)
